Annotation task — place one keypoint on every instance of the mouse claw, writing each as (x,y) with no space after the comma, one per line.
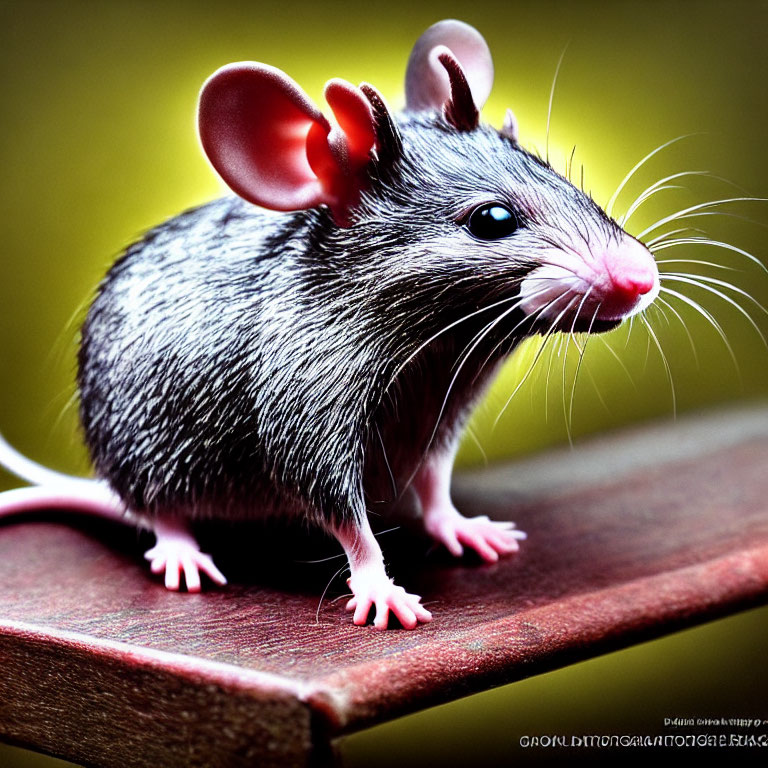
(489,538)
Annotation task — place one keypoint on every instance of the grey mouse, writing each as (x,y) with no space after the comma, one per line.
(320,358)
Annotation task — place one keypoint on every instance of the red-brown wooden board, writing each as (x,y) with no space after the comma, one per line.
(630,536)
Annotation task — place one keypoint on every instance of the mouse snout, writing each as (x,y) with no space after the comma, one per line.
(630,280)
(631,269)
(591,289)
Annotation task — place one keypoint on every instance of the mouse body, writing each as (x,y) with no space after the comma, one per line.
(320,359)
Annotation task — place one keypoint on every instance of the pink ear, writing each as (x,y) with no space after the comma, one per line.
(253,123)
(427,85)
(353,114)
(273,147)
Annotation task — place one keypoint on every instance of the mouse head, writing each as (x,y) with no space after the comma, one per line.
(478,207)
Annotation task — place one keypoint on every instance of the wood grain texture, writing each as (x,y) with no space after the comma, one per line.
(629,536)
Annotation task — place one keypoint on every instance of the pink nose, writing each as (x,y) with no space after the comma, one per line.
(637,283)
(631,268)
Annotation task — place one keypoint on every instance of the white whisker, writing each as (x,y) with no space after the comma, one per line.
(569,167)
(612,201)
(582,352)
(728,215)
(647,351)
(629,331)
(619,360)
(703,312)
(598,393)
(715,281)
(563,390)
(657,186)
(392,481)
(691,210)
(507,335)
(707,241)
(568,412)
(325,591)
(664,361)
(549,337)
(552,96)
(444,330)
(728,299)
(660,238)
(535,360)
(622,220)
(685,328)
(696,261)
(471,433)
(659,310)
(469,348)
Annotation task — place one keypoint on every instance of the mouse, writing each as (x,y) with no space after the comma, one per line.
(311,345)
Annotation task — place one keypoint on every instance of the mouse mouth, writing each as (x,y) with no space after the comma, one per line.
(593,293)
(572,311)
(583,325)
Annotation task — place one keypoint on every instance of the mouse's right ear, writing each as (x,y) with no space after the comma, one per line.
(450,70)
(275,148)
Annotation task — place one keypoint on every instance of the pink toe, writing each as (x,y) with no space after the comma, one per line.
(488,554)
(382,618)
(361,613)
(455,548)
(172,582)
(191,576)
(505,544)
(205,564)
(407,618)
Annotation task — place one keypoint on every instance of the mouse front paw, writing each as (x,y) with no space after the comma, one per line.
(489,538)
(176,557)
(377,590)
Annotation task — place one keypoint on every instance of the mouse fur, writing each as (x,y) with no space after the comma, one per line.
(319,360)
(237,363)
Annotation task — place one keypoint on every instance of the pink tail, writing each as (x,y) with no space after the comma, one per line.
(53,490)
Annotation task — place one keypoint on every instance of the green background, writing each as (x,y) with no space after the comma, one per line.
(98,143)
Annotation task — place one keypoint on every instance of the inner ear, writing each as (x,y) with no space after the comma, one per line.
(427,82)
(353,114)
(274,147)
(460,110)
(389,145)
(254,123)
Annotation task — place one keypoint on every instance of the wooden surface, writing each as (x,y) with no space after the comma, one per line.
(630,536)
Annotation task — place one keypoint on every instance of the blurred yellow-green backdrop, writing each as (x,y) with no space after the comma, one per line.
(98,143)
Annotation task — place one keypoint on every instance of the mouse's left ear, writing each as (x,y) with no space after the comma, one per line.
(274,147)
(450,70)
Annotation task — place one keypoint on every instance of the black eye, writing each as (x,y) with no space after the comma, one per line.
(492,221)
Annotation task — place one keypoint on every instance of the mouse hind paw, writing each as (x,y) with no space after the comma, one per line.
(174,559)
(176,552)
